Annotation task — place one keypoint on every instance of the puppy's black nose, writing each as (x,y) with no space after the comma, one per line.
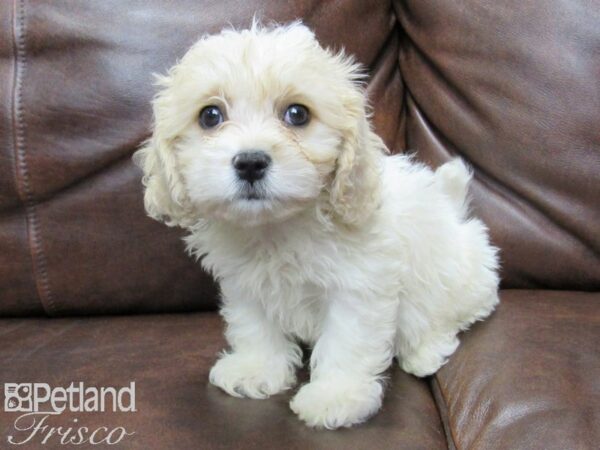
(251,166)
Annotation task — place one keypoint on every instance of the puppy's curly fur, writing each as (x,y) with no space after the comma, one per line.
(363,256)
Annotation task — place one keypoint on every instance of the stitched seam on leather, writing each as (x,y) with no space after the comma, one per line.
(38,258)
(442,406)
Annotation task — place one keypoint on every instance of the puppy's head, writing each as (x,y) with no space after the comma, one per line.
(254,126)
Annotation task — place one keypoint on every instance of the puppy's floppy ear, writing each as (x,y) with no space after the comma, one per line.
(356,189)
(164,196)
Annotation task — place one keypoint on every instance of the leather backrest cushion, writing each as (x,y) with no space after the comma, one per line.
(75,90)
(513,86)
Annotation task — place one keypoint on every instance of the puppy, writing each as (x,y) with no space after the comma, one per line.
(262,150)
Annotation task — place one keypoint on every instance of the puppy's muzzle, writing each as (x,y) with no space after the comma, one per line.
(251,166)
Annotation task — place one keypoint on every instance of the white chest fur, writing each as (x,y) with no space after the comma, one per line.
(290,271)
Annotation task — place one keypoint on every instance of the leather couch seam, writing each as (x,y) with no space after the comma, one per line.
(380,54)
(38,257)
(441,404)
(402,129)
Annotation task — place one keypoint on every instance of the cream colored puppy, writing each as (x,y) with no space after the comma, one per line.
(262,150)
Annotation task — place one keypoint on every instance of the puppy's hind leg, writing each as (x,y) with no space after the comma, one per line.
(431,354)
(421,349)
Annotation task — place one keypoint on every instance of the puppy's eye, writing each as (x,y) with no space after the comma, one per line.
(296,115)
(210,117)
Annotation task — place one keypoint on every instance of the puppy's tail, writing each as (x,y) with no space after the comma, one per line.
(453,179)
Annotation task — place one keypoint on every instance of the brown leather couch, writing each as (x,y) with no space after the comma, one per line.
(92,290)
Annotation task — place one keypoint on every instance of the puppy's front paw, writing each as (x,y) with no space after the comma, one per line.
(337,403)
(250,375)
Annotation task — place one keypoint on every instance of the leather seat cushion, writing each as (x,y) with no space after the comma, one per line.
(528,377)
(169,356)
(523,379)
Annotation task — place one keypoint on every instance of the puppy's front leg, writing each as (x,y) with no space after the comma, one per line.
(262,361)
(354,349)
